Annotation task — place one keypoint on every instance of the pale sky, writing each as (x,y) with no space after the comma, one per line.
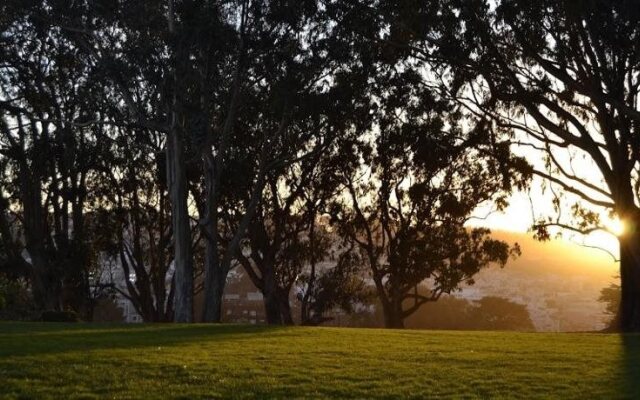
(519,217)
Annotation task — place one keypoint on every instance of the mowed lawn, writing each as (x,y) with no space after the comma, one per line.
(79,361)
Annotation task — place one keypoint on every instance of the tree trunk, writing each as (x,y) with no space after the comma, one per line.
(183,262)
(272,302)
(215,270)
(46,285)
(392,310)
(629,312)
(214,283)
(305,311)
(46,281)
(393,318)
(285,307)
(272,308)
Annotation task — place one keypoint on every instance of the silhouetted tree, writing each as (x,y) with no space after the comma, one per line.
(340,287)
(497,313)
(559,78)
(406,209)
(135,47)
(52,149)
(315,93)
(611,296)
(121,121)
(136,225)
(488,313)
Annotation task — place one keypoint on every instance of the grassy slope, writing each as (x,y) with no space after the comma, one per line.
(200,361)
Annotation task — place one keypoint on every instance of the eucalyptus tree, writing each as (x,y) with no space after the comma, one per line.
(560,79)
(51,151)
(283,238)
(138,50)
(411,226)
(136,229)
(288,95)
(420,175)
(334,279)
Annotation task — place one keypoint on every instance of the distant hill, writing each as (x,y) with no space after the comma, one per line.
(558,281)
(560,256)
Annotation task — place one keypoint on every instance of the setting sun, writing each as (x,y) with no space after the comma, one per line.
(616,226)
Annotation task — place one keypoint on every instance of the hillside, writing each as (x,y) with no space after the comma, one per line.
(231,361)
(559,281)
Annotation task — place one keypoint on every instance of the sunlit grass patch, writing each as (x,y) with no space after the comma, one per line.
(231,361)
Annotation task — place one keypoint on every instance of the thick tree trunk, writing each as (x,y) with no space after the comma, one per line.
(272,308)
(183,262)
(272,302)
(391,309)
(276,299)
(215,270)
(629,313)
(46,285)
(214,283)
(277,307)
(393,318)
(285,308)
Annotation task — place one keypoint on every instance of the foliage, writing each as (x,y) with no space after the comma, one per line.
(556,81)
(611,296)
(406,208)
(59,316)
(15,302)
(488,313)
(339,287)
(177,139)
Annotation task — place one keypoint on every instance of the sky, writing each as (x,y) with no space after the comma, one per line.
(524,208)
(537,203)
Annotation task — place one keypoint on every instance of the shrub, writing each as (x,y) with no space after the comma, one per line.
(15,300)
(59,316)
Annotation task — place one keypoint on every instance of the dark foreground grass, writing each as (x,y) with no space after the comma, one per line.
(228,361)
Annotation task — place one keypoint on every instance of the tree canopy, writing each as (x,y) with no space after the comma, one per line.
(149,147)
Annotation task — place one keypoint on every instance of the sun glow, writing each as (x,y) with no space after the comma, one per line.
(616,226)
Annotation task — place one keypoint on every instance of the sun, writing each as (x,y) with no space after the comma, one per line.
(616,226)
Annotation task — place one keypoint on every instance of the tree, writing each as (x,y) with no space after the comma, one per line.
(559,79)
(610,296)
(282,239)
(488,313)
(214,42)
(317,90)
(496,313)
(142,61)
(50,151)
(136,225)
(339,287)
(406,209)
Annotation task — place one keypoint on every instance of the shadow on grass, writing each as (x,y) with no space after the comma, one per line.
(32,339)
(631,365)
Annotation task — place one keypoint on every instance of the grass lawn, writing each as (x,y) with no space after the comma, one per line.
(79,361)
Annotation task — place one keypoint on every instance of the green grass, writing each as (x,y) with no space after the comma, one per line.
(229,361)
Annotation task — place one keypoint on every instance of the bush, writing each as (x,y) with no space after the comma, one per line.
(15,300)
(59,316)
